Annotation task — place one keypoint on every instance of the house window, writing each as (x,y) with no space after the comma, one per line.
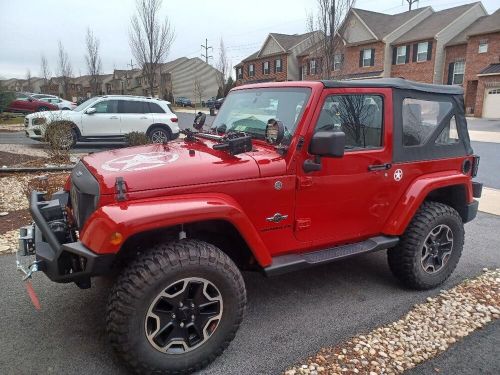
(265,67)
(458,72)
(422,51)
(251,70)
(337,61)
(483,46)
(239,73)
(303,72)
(401,55)
(312,67)
(367,57)
(277,66)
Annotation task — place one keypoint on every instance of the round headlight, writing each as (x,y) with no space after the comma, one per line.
(39,121)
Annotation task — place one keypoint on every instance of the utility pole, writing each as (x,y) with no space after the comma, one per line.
(131,65)
(206,47)
(410,3)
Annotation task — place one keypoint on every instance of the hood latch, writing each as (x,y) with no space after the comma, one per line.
(121,189)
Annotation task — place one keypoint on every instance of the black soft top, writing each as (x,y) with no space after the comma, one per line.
(397,83)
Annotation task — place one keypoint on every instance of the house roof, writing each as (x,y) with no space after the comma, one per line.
(491,69)
(483,25)
(286,41)
(382,24)
(433,24)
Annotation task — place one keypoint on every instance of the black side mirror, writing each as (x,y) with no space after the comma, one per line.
(328,144)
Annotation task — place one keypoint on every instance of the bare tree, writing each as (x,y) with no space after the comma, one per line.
(29,86)
(198,89)
(328,21)
(223,69)
(44,71)
(65,69)
(150,38)
(93,60)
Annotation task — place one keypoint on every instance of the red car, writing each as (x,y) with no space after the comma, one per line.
(26,104)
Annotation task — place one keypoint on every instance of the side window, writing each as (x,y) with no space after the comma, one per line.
(154,108)
(132,106)
(358,116)
(449,134)
(106,106)
(421,118)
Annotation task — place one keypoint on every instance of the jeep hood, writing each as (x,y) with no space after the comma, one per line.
(171,165)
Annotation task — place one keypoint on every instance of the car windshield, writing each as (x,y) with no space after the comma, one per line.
(85,104)
(249,110)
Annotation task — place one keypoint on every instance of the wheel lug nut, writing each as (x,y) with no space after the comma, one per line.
(181,304)
(192,305)
(192,317)
(182,324)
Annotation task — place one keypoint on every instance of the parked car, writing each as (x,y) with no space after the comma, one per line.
(182,101)
(211,102)
(56,100)
(218,103)
(25,103)
(274,194)
(110,117)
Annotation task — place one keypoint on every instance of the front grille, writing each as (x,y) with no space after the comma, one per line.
(84,194)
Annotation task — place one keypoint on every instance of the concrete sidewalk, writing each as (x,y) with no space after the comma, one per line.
(484,136)
(490,201)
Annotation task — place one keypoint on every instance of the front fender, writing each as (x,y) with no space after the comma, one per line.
(417,192)
(132,217)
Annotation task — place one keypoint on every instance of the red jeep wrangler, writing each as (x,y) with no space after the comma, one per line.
(291,175)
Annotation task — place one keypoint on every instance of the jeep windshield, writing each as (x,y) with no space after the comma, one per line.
(249,110)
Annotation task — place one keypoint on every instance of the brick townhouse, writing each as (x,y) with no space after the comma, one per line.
(276,60)
(409,44)
(473,61)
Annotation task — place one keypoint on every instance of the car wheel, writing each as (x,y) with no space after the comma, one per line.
(42,109)
(176,308)
(430,248)
(159,134)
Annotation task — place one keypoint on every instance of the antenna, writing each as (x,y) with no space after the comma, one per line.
(410,3)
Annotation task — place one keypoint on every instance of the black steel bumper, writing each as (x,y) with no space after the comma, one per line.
(67,262)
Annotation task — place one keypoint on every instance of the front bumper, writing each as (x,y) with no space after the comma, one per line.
(63,263)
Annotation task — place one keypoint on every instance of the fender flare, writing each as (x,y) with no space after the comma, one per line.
(415,195)
(129,218)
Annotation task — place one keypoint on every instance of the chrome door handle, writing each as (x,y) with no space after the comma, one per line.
(114,117)
(276,218)
(143,118)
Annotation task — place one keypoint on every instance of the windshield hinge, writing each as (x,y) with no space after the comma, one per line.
(121,189)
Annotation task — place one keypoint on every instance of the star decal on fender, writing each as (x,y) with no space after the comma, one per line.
(139,161)
(398,174)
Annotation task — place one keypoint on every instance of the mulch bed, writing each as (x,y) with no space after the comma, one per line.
(10,160)
(14,220)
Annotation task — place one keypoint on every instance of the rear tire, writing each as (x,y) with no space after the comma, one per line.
(159,134)
(430,248)
(150,308)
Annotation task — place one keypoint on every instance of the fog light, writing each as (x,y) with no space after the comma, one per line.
(116,238)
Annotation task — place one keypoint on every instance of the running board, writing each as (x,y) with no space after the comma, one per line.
(292,262)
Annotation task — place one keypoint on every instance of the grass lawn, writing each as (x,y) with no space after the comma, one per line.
(11,119)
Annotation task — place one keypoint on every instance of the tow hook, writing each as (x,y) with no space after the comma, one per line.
(27,271)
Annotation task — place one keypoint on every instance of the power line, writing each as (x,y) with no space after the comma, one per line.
(207,47)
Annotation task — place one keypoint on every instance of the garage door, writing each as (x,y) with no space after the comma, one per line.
(491,106)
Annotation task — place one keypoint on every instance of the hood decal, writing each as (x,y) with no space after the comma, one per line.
(139,162)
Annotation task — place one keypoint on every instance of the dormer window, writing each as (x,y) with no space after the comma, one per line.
(483,46)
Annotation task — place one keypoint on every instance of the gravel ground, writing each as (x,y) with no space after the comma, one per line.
(9,242)
(424,332)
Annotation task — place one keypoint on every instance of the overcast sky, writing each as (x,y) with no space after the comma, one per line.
(29,28)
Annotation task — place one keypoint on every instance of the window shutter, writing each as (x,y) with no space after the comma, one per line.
(342,60)
(360,58)
(372,60)
(415,51)
(451,67)
(407,58)
(394,55)
(429,50)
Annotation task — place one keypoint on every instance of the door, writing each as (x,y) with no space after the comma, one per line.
(21,103)
(350,197)
(491,106)
(104,122)
(135,116)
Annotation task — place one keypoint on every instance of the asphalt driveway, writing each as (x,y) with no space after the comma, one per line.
(288,317)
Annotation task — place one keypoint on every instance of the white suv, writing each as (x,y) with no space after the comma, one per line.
(110,117)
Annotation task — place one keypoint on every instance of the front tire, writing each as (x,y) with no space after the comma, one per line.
(176,308)
(430,248)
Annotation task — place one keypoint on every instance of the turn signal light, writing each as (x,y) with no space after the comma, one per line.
(174,119)
(116,238)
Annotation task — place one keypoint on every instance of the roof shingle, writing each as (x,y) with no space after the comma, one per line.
(483,25)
